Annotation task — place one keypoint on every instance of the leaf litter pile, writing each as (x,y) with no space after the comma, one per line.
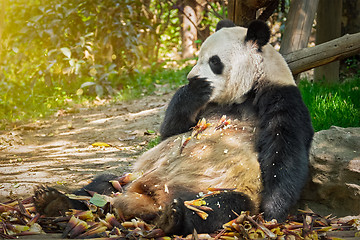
(20,218)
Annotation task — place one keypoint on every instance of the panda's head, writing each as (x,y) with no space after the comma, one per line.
(235,59)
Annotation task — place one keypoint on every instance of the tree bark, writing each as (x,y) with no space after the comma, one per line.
(328,27)
(242,12)
(351,16)
(188,29)
(298,25)
(308,58)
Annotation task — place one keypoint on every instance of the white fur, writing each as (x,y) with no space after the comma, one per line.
(243,65)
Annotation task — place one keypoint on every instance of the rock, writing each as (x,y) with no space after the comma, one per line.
(334,185)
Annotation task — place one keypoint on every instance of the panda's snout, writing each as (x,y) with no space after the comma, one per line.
(193,73)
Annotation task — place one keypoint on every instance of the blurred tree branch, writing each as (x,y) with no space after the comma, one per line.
(308,58)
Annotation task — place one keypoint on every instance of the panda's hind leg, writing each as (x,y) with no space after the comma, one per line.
(180,220)
(51,202)
(143,198)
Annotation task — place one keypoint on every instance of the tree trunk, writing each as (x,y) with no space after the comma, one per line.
(203,30)
(351,16)
(350,23)
(328,27)
(298,25)
(242,12)
(188,20)
(308,58)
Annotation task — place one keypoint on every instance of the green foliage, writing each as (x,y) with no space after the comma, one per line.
(94,40)
(336,104)
(153,142)
(157,80)
(52,53)
(352,65)
(20,101)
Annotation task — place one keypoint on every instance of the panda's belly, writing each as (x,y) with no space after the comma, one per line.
(217,158)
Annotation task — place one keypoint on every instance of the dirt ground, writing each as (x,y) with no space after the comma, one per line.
(59,152)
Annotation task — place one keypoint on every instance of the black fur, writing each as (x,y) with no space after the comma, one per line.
(185,106)
(259,33)
(99,184)
(283,141)
(283,137)
(51,202)
(225,23)
(178,219)
(216,65)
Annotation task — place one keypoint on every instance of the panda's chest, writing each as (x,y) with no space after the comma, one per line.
(228,138)
(222,157)
(244,112)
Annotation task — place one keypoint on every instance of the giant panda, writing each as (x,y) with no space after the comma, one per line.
(261,157)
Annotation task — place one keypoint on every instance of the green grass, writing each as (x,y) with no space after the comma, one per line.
(156,81)
(152,143)
(23,99)
(337,104)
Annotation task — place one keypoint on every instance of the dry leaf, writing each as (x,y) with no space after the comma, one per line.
(100,144)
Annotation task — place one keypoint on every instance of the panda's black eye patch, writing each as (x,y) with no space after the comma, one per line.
(216,65)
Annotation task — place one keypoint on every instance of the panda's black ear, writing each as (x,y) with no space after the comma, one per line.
(225,23)
(259,32)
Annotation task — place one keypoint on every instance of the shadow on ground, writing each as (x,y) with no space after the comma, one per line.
(58,151)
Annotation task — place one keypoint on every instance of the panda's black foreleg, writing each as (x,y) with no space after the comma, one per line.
(177,219)
(185,106)
(100,184)
(283,141)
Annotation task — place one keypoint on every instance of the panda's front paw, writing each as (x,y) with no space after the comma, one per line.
(272,211)
(201,87)
(171,220)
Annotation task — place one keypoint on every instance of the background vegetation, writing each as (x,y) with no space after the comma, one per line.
(334,104)
(58,54)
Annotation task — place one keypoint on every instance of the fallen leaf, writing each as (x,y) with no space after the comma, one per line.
(98,200)
(149,132)
(100,144)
